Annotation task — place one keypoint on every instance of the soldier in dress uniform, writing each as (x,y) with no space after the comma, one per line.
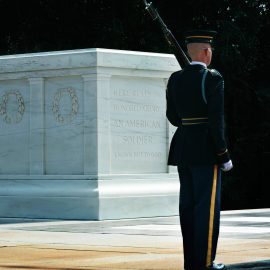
(195,104)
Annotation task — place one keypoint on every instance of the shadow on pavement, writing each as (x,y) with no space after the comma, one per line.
(260,265)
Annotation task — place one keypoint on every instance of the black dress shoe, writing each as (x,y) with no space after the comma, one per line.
(216,266)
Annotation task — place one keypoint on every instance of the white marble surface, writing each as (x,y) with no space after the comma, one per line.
(94,116)
(95,57)
(36,138)
(149,196)
(64,125)
(138,125)
(114,198)
(14,127)
(60,199)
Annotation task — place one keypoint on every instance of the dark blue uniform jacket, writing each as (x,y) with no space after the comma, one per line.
(199,116)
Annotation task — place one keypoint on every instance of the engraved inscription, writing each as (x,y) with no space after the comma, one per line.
(12,107)
(136,123)
(137,139)
(138,155)
(134,93)
(129,107)
(138,134)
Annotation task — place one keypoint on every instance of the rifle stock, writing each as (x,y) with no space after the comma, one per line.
(177,50)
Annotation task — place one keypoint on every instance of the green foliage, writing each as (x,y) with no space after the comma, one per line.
(241,55)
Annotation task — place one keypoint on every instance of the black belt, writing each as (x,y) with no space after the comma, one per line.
(194,121)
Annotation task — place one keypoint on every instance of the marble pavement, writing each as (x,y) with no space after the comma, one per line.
(131,244)
(83,135)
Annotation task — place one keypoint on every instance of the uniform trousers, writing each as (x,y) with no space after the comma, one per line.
(199,211)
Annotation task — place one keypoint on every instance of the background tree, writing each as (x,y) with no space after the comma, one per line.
(241,55)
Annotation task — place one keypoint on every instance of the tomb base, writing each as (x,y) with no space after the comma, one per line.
(89,198)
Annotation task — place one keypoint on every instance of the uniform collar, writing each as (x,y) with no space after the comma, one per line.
(198,63)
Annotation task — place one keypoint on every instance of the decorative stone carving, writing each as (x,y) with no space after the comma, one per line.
(14,117)
(56,105)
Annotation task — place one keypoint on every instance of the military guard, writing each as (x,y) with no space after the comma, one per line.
(195,104)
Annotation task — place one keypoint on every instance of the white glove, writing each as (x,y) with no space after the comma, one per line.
(226,166)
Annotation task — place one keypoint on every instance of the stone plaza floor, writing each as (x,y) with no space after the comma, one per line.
(141,244)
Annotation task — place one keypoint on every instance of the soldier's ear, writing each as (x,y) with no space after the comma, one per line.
(206,51)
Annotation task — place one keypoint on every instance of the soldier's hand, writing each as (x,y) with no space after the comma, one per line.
(226,166)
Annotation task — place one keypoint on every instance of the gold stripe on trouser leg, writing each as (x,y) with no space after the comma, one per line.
(211,218)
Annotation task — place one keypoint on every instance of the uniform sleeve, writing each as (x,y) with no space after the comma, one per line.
(215,102)
(171,113)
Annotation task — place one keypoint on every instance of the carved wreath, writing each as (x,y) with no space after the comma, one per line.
(11,119)
(74,105)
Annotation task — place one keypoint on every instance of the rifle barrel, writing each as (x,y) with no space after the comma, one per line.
(178,52)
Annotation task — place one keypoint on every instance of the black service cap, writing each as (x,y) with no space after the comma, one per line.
(200,36)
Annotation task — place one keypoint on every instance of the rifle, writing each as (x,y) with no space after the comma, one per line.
(176,48)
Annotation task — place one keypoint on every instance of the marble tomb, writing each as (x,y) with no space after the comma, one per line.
(84,135)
